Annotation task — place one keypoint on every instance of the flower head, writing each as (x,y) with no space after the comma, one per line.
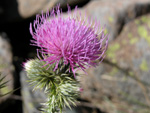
(75,41)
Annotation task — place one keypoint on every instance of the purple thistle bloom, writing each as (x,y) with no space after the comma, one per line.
(74,41)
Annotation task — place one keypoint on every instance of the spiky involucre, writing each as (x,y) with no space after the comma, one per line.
(60,86)
(73,40)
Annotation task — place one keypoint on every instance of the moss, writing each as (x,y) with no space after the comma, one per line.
(110,19)
(114,60)
(113,71)
(131,73)
(133,40)
(110,54)
(112,49)
(142,31)
(31,105)
(124,42)
(144,19)
(148,40)
(130,35)
(144,66)
(2,66)
(137,22)
(149,24)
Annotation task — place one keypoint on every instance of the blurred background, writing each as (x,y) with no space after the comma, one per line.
(120,84)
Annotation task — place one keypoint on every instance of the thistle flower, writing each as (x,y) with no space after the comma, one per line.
(73,40)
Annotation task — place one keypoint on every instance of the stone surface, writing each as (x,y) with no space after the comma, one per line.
(123,77)
(115,13)
(6,66)
(28,8)
(31,99)
(63,3)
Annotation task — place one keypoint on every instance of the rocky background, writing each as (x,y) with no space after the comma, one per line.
(120,84)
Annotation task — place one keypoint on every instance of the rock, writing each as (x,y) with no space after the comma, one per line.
(6,66)
(115,13)
(28,8)
(31,99)
(122,80)
(73,3)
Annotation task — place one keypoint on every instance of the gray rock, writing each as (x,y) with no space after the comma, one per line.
(28,8)
(31,99)
(63,3)
(6,66)
(124,74)
(115,13)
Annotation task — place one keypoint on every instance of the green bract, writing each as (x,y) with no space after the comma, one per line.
(60,86)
